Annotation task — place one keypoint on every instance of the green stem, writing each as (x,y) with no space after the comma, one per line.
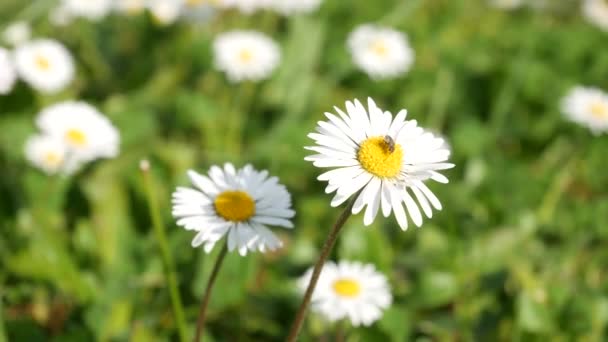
(3,337)
(325,251)
(159,231)
(200,323)
(554,193)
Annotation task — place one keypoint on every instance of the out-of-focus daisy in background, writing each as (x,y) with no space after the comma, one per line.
(588,107)
(349,290)
(165,12)
(246,55)
(506,4)
(17,33)
(8,75)
(199,10)
(387,159)
(291,7)
(380,52)
(596,11)
(130,7)
(246,6)
(48,154)
(88,9)
(237,203)
(45,64)
(87,134)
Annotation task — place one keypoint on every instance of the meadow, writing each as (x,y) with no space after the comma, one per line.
(518,252)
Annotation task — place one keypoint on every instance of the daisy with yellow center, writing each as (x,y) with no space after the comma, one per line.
(246,55)
(350,290)
(47,154)
(381,52)
(46,65)
(384,160)
(237,203)
(587,106)
(86,133)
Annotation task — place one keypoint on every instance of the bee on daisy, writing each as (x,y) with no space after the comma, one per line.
(8,75)
(596,12)
(381,52)
(45,64)
(383,161)
(588,107)
(239,204)
(246,55)
(349,290)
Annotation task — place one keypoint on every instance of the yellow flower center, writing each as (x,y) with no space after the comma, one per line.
(76,137)
(376,157)
(599,110)
(52,158)
(42,63)
(347,287)
(235,206)
(245,56)
(379,48)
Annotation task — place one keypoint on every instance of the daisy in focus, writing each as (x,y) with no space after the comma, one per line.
(291,7)
(384,160)
(17,33)
(45,64)
(239,204)
(246,55)
(350,290)
(48,154)
(596,11)
(246,6)
(588,107)
(86,133)
(8,75)
(380,52)
(88,9)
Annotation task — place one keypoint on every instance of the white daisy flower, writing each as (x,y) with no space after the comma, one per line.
(386,158)
(246,6)
(88,9)
(507,4)
(17,33)
(238,203)
(45,64)
(380,52)
(8,75)
(246,55)
(130,7)
(60,16)
(47,153)
(87,133)
(596,11)
(165,12)
(350,290)
(291,7)
(588,107)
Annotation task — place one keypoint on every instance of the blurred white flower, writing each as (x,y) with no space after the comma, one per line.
(165,12)
(507,4)
(130,7)
(351,290)
(199,10)
(8,75)
(88,9)
(246,6)
(237,203)
(17,33)
(588,107)
(87,134)
(60,16)
(596,11)
(246,55)
(380,52)
(45,64)
(382,158)
(291,7)
(48,154)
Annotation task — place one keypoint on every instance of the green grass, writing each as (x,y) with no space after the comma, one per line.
(518,252)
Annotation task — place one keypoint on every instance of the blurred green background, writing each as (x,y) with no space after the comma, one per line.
(517,254)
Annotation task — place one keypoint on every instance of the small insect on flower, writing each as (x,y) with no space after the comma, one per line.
(390,143)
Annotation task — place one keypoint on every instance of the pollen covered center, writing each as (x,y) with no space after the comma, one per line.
(76,137)
(42,63)
(245,55)
(347,287)
(235,206)
(599,110)
(376,157)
